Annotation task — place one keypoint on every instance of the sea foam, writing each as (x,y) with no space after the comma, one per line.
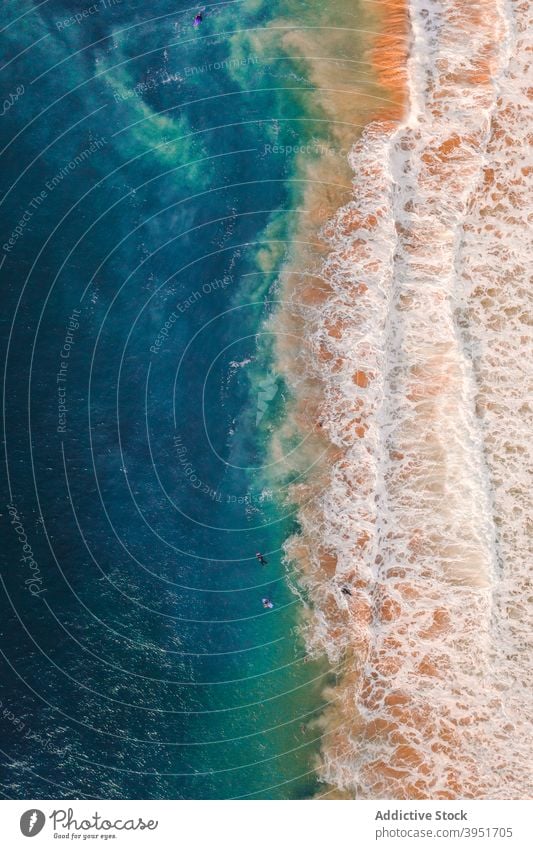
(415,366)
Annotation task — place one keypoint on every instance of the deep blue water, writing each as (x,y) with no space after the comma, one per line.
(139,399)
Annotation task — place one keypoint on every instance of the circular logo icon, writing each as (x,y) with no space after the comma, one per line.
(32,822)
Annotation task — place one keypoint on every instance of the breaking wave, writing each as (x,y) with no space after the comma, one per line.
(412,385)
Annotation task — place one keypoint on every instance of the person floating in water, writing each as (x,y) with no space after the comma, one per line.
(198,20)
(263,561)
(267,604)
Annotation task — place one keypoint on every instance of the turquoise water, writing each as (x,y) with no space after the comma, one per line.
(141,398)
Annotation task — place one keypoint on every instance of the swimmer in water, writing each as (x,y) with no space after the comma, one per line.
(263,561)
(198,20)
(267,604)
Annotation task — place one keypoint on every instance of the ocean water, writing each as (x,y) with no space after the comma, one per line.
(150,193)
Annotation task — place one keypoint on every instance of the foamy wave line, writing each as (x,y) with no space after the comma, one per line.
(416,520)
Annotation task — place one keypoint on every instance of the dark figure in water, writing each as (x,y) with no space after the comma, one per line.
(346,591)
(198,20)
(263,561)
